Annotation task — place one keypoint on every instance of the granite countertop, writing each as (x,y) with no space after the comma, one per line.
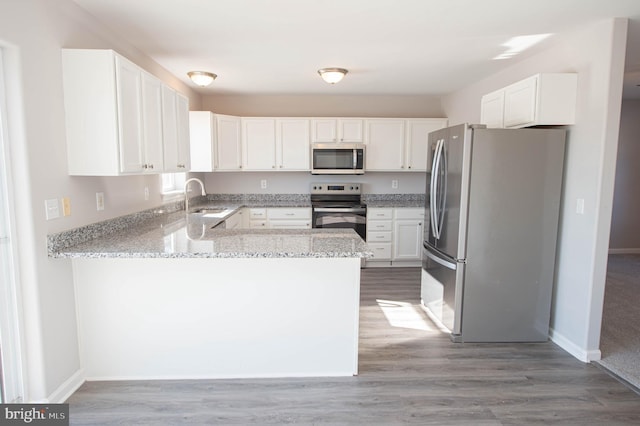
(177,235)
(168,232)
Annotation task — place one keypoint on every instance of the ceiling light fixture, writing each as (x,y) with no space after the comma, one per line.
(202,78)
(332,75)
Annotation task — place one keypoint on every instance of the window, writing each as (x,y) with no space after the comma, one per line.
(172,185)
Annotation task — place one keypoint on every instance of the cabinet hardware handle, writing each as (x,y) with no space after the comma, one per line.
(144,166)
(151,166)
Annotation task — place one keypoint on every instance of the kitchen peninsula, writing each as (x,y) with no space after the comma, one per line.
(169,297)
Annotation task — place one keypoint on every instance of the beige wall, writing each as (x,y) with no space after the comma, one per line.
(324,106)
(625,222)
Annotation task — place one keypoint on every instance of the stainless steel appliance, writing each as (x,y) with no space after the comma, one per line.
(337,158)
(490,242)
(338,205)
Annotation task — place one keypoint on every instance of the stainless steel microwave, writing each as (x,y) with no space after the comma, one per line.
(337,159)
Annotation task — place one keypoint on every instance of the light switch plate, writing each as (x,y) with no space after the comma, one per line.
(66,206)
(52,209)
(263,184)
(99,201)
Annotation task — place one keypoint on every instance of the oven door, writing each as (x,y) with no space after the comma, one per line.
(341,217)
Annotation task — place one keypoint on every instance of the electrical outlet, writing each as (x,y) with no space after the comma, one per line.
(580,205)
(99,201)
(263,184)
(51,208)
(394,184)
(66,206)
(146,192)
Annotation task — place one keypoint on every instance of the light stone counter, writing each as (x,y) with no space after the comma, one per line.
(161,295)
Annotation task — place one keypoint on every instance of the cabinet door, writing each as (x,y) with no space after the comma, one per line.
(418,141)
(184,152)
(259,143)
(385,145)
(170,129)
(292,146)
(202,146)
(520,103)
(324,130)
(228,143)
(128,83)
(492,110)
(350,130)
(152,123)
(407,234)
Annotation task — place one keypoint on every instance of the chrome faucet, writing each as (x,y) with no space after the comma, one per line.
(186,195)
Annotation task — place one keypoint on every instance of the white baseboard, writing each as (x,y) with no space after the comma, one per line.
(580,353)
(66,389)
(624,251)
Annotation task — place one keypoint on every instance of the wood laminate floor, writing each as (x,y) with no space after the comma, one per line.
(410,372)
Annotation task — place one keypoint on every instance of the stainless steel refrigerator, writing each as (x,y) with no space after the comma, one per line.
(492,209)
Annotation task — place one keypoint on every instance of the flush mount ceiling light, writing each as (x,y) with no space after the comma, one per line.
(332,75)
(202,78)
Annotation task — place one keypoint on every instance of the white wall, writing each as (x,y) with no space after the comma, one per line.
(596,53)
(625,222)
(299,182)
(32,32)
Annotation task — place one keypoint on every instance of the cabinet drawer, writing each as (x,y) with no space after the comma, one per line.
(381,251)
(254,224)
(379,225)
(257,213)
(377,237)
(289,213)
(289,224)
(409,213)
(376,213)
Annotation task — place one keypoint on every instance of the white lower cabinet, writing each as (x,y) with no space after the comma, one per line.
(394,235)
(407,234)
(289,218)
(278,218)
(234,221)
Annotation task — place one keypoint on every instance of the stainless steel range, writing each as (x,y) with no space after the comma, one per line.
(338,205)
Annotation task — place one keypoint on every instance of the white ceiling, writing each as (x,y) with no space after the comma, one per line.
(390,47)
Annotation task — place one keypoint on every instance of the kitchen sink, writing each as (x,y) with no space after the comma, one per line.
(215,212)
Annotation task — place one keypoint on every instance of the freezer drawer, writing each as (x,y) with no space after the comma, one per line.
(441,290)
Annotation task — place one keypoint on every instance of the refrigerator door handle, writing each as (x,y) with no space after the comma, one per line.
(443,193)
(433,190)
(439,260)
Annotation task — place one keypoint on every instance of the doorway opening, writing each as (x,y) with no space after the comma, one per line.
(11,381)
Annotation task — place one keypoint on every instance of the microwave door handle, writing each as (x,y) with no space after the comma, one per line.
(355,158)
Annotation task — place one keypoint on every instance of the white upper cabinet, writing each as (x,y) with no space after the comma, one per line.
(228,143)
(215,142)
(202,141)
(175,112)
(492,110)
(275,144)
(292,144)
(385,144)
(542,99)
(259,143)
(399,144)
(113,115)
(337,130)
(152,122)
(417,141)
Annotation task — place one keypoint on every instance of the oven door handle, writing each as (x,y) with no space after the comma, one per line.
(339,210)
